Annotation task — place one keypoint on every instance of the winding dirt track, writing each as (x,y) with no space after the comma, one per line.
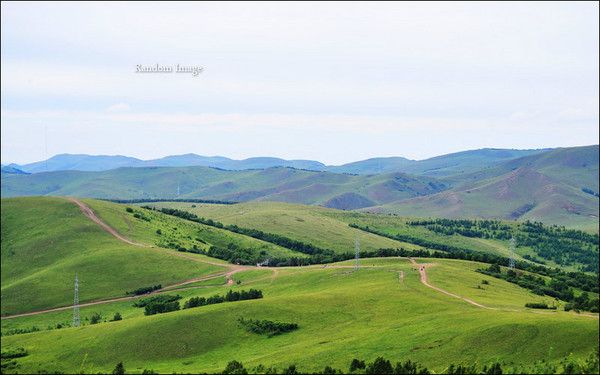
(425,282)
(87,211)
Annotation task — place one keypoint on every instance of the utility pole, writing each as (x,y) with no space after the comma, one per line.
(356,254)
(512,246)
(76,318)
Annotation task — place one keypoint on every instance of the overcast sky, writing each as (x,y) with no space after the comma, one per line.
(332,82)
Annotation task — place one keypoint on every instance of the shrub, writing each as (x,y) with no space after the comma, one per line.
(96,318)
(357,364)
(117,317)
(159,308)
(380,366)
(539,305)
(235,367)
(267,327)
(145,290)
(119,369)
(13,353)
(129,209)
(156,299)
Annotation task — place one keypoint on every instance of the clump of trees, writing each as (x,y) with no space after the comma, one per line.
(144,290)
(551,242)
(159,304)
(558,287)
(231,296)
(539,305)
(267,327)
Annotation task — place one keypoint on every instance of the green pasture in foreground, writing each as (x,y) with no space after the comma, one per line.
(342,314)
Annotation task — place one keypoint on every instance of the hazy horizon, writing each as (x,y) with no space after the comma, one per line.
(309,159)
(314,81)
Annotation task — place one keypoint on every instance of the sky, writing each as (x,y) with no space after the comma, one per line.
(334,82)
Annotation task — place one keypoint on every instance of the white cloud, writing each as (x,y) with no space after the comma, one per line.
(327,81)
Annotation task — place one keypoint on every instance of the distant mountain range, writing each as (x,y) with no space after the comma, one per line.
(461,162)
(557,186)
(95,163)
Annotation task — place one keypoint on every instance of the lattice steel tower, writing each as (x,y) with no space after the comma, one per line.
(512,247)
(76,318)
(356,253)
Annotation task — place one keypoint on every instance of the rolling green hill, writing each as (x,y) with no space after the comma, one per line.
(381,311)
(316,225)
(46,241)
(553,187)
(385,308)
(329,228)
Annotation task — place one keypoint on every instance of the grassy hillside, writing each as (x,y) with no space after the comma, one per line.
(274,184)
(341,315)
(45,241)
(331,229)
(171,232)
(316,225)
(547,187)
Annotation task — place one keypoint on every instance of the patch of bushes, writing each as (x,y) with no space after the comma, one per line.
(267,327)
(8,358)
(557,287)
(231,296)
(96,318)
(159,304)
(539,305)
(145,290)
(19,331)
(117,317)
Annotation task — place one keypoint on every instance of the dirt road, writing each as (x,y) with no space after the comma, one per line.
(87,211)
(425,282)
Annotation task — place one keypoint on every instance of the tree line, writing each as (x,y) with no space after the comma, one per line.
(231,296)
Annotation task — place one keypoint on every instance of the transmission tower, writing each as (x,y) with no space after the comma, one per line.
(356,253)
(512,246)
(76,318)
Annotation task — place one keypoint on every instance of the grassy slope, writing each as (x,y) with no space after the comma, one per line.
(342,315)
(45,241)
(186,234)
(329,228)
(315,225)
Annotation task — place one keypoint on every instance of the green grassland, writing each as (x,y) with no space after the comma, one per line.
(178,232)
(342,314)
(380,310)
(45,241)
(316,225)
(329,228)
